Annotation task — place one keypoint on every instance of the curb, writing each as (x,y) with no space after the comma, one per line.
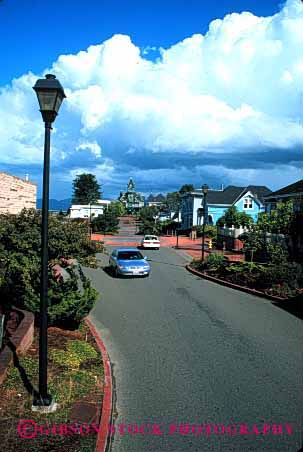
(102,437)
(235,286)
(182,253)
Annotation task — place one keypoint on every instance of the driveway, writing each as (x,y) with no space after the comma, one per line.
(187,351)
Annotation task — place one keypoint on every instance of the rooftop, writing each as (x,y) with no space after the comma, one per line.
(18,178)
(296,187)
(231,194)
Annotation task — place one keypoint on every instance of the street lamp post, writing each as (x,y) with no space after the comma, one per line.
(50,96)
(90,221)
(204,191)
(177,230)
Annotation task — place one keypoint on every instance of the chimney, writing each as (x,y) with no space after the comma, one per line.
(222,187)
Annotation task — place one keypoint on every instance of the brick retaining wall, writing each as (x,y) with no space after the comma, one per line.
(22,339)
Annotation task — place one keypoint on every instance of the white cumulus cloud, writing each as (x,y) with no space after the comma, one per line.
(93,147)
(238,87)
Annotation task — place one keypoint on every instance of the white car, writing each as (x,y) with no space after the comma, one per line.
(150,241)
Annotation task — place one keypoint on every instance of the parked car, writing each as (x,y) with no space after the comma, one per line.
(128,261)
(150,241)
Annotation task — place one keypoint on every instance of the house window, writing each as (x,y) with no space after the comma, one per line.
(247,203)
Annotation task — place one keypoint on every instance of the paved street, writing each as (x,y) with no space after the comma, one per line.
(185,350)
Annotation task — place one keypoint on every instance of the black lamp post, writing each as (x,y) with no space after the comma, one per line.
(50,96)
(177,231)
(90,221)
(204,191)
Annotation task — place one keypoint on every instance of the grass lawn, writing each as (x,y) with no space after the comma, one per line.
(75,375)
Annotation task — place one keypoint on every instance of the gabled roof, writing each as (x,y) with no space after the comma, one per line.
(296,187)
(258,191)
(232,194)
(226,196)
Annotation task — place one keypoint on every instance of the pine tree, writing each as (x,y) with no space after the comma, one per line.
(86,189)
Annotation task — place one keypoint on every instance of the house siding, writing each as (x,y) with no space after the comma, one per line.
(216,212)
(192,202)
(254,211)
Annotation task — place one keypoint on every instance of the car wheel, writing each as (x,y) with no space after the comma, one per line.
(116,272)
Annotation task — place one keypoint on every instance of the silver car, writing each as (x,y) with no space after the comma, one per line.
(128,261)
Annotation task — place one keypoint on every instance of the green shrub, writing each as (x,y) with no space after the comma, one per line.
(108,222)
(210,231)
(67,304)
(232,217)
(20,249)
(281,290)
(215,261)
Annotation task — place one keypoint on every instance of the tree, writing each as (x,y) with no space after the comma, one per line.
(148,216)
(186,188)
(86,189)
(173,201)
(278,221)
(118,207)
(209,231)
(108,222)
(232,217)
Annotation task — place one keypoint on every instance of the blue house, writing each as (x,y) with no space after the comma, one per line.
(248,199)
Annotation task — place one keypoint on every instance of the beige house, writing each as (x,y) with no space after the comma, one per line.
(16,194)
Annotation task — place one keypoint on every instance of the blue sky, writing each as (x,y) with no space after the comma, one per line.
(161,91)
(34,33)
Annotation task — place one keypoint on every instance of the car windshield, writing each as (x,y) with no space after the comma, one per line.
(129,255)
(151,237)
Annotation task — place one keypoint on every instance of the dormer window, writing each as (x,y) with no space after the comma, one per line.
(247,203)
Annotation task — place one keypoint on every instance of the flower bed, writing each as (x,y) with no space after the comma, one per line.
(284,281)
(75,381)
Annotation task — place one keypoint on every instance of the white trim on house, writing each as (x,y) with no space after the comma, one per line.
(246,194)
(248,202)
(104,202)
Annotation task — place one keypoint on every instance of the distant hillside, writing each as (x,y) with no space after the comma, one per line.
(54,204)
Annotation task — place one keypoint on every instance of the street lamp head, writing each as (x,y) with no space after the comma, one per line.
(50,96)
(205,189)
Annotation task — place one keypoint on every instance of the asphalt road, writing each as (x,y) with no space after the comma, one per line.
(187,351)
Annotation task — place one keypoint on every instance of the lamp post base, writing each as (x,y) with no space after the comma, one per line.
(44,404)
